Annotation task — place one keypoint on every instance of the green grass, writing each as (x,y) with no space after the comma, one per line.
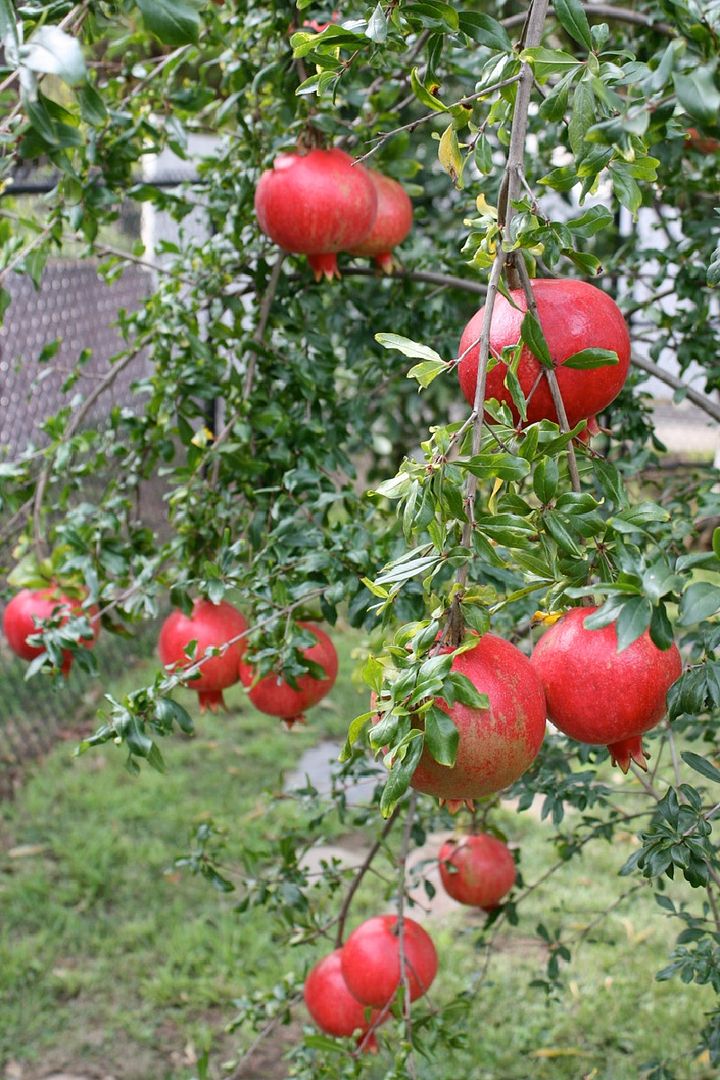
(113,965)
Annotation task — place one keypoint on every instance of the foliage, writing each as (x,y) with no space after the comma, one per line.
(483,522)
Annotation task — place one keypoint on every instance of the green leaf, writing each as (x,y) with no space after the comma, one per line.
(582,118)
(701,765)
(92,105)
(423,94)
(588,359)
(633,621)
(53,52)
(698,94)
(408,347)
(559,528)
(354,732)
(441,736)
(483,155)
(626,189)
(485,30)
(502,466)
(377,27)
(549,61)
(8,24)
(699,601)
(534,338)
(426,371)
(546,479)
(572,18)
(174,22)
(591,221)
(401,774)
(466,692)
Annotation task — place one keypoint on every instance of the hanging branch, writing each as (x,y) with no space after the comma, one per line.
(404,967)
(509,191)
(360,874)
(607,11)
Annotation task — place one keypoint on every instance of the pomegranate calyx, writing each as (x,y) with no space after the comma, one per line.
(627,750)
(453,806)
(211,701)
(324,266)
(386,262)
(290,721)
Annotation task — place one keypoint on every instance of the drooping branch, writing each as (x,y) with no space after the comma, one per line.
(360,874)
(404,967)
(429,277)
(607,11)
(712,408)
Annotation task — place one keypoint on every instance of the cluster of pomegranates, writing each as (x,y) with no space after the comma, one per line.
(321,202)
(211,626)
(351,990)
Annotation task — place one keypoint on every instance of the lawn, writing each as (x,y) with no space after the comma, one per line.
(115,964)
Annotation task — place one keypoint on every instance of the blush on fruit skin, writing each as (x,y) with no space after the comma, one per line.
(574,316)
(316,204)
(331,1005)
(478,870)
(211,625)
(392,222)
(598,695)
(497,744)
(274,696)
(371,960)
(30,604)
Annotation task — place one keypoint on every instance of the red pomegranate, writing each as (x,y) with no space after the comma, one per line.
(574,316)
(211,625)
(392,222)
(477,870)
(274,696)
(316,204)
(704,144)
(31,605)
(497,744)
(598,695)
(371,960)
(592,429)
(332,1006)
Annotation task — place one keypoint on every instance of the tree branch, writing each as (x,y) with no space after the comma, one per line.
(712,408)
(361,871)
(607,11)
(404,969)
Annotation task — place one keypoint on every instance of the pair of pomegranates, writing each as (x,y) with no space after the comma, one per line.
(213,626)
(576,676)
(320,203)
(26,612)
(351,990)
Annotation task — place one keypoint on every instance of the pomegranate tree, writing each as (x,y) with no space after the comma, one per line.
(211,626)
(393,222)
(32,606)
(574,316)
(316,204)
(333,1007)
(478,870)
(276,697)
(598,695)
(496,744)
(371,960)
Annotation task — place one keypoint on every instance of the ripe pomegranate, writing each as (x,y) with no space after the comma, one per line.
(704,144)
(32,605)
(332,1006)
(497,744)
(211,625)
(316,204)
(276,697)
(371,960)
(392,223)
(598,695)
(574,316)
(477,870)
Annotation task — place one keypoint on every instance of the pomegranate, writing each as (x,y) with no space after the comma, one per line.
(276,697)
(211,625)
(598,695)
(371,960)
(574,316)
(316,204)
(497,744)
(32,605)
(332,1006)
(392,223)
(702,143)
(477,870)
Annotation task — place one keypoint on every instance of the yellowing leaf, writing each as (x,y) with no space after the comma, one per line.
(202,437)
(484,206)
(559,1051)
(449,155)
(491,501)
(545,618)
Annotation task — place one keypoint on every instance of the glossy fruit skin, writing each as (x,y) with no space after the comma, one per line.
(574,316)
(497,744)
(478,870)
(371,960)
(600,696)
(393,221)
(274,696)
(316,204)
(210,625)
(332,1006)
(19,624)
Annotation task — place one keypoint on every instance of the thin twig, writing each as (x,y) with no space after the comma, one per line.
(404,968)
(712,408)
(362,870)
(607,11)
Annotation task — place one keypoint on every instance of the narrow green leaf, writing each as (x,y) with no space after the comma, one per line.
(408,347)
(8,24)
(485,30)
(377,27)
(701,765)
(572,18)
(174,22)
(441,736)
(467,693)
(427,370)
(700,601)
(589,359)
(534,338)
